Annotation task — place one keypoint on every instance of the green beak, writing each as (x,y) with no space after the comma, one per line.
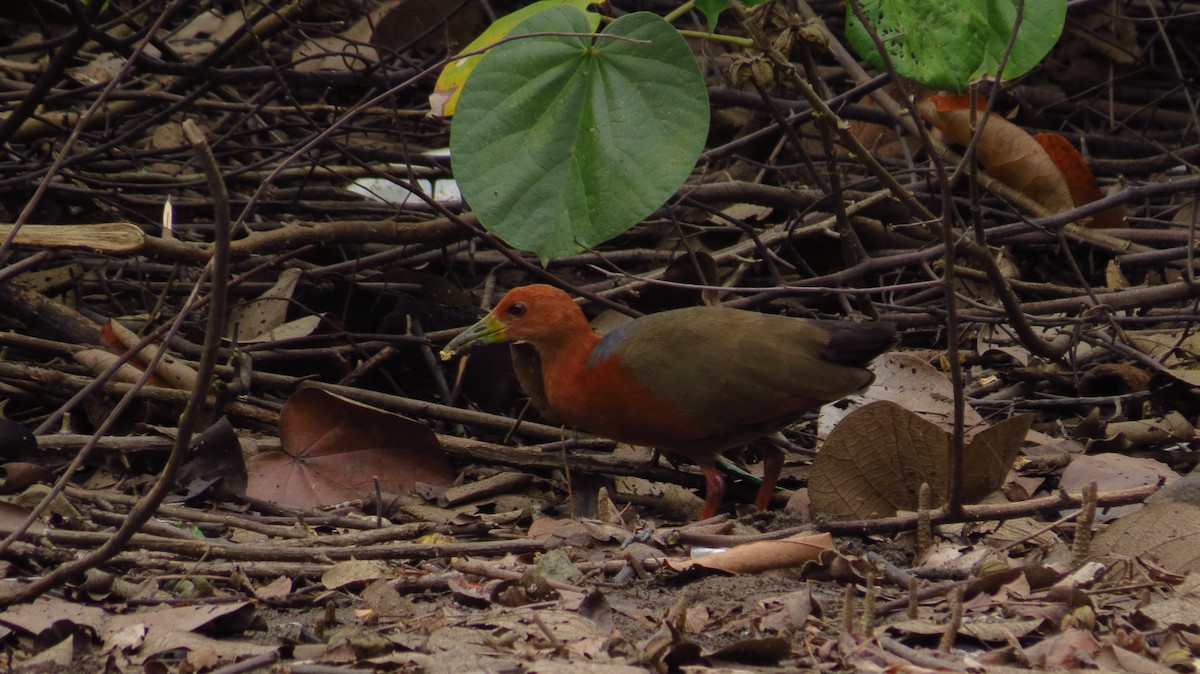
(487,331)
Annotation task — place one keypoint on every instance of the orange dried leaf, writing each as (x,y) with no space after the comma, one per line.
(1080,180)
(757,557)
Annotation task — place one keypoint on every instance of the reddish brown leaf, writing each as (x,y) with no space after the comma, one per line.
(1080,180)
(1005,150)
(334,448)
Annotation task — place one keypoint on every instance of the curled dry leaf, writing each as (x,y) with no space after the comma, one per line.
(334,448)
(17,475)
(786,553)
(1045,168)
(1006,151)
(1109,379)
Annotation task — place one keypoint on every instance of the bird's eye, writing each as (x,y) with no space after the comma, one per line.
(517,310)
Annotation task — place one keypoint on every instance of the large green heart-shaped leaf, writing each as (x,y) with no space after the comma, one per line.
(562,140)
(950,43)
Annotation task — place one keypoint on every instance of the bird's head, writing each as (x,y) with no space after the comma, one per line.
(539,314)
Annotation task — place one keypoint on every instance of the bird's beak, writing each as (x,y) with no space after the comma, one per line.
(488,330)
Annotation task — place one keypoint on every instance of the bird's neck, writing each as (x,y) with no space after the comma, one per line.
(568,355)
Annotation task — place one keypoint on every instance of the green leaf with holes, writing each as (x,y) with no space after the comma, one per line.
(948,44)
(563,141)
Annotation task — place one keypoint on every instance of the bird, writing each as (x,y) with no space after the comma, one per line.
(694,382)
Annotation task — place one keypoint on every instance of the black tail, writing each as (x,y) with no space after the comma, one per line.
(858,343)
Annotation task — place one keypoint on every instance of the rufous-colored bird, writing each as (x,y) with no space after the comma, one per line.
(695,382)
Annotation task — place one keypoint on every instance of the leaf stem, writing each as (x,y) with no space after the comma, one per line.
(679,11)
(717,37)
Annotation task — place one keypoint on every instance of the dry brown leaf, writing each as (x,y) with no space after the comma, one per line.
(1073,648)
(874,462)
(349,51)
(255,318)
(1167,531)
(1111,471)
(990,455)
(1005,151)
(786,553)
(913,384)
(354,572)
(333,449)
(1179,610)
(99,360)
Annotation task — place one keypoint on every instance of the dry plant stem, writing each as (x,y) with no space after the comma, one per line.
(920,658)
(85,387)
(21,266)
(924,526)
(868,611)
(853,251)
(914,606)
(195,406)
(848,608)
(950,237)
(484,569)
(54,381)
(211,549)
(1081,547)
(768,238)
(53,71)
(193,515)
(978,513)
(249,664)
(954,622)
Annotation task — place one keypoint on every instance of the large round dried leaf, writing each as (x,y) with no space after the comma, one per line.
(874,462)
(334,448)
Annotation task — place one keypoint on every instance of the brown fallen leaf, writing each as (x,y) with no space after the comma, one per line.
(333,449)
(874,462)
(785,553)
(1045,167)
(1166,531)
(1005,150)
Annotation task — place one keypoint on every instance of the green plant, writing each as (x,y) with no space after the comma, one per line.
(564,140)
(950,43)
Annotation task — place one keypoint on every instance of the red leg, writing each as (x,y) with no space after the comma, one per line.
(714,491)
(772,466)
